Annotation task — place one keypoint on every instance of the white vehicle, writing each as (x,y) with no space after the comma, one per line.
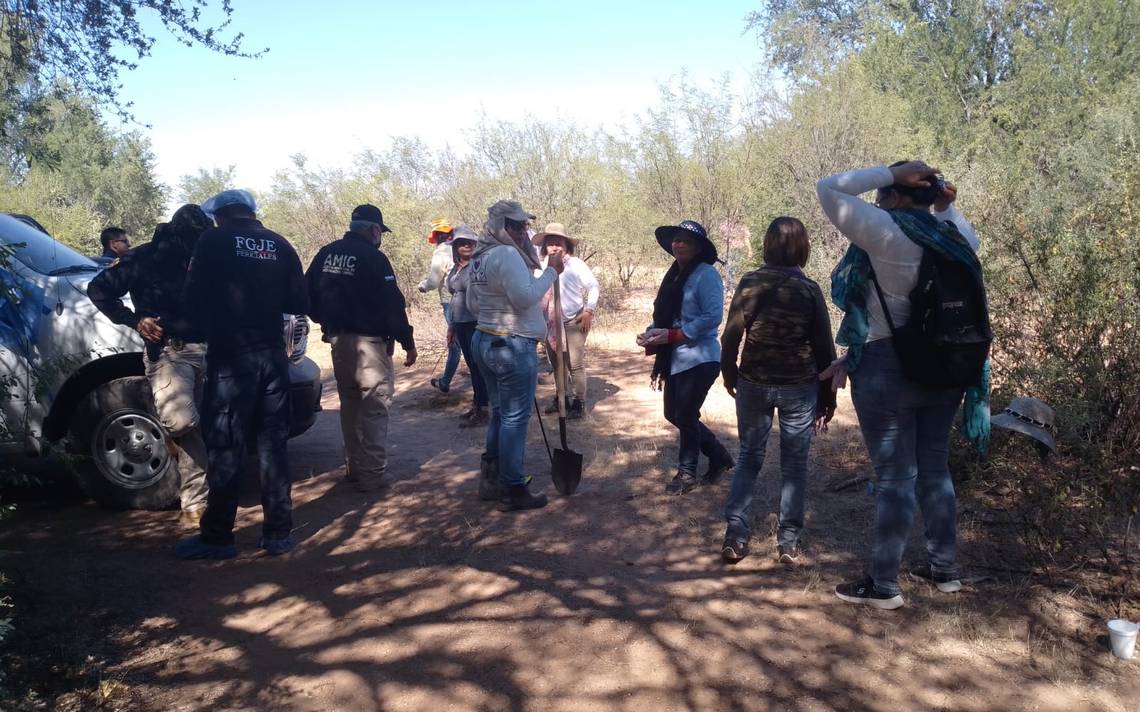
(67,373)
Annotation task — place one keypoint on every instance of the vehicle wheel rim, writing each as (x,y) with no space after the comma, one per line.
(130,450)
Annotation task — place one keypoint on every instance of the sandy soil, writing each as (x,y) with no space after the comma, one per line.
(423,597)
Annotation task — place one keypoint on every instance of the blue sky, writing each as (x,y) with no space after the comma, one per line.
(344,75)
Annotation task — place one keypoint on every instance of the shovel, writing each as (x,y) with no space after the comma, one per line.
(566,465)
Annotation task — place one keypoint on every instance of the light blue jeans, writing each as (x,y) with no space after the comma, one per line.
(509,365)
(754,407)
(453,351)
(907,431)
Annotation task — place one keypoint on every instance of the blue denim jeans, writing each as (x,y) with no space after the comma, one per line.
(754,407)
(464,332)
(452,364)
(907,431)
(510,370)
(246,400)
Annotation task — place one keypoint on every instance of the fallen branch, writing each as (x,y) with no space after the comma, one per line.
(848,484)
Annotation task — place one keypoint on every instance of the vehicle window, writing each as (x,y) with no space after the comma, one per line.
(41,252)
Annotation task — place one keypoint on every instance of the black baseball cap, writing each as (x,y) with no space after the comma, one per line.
(369,213)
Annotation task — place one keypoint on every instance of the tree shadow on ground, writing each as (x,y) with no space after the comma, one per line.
(422,596)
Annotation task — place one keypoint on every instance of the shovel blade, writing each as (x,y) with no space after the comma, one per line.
(566,471)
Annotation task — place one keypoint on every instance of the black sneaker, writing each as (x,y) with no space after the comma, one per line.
(681,483)
(553,407)
(519,497)
(439,385)
(945,583)
(717,468)
(733,549)
(787,554)
(863,592)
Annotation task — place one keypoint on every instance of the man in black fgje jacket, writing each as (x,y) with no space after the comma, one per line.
(242,278)
(362,312)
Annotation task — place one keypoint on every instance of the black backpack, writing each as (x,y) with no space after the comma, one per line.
(947,340)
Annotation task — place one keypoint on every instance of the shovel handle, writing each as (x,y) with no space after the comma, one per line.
(560,360)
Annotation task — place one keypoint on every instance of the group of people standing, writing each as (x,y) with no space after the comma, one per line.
(787,366)
(208,294)
(211,317)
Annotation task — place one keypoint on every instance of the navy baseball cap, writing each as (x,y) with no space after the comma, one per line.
(369,213)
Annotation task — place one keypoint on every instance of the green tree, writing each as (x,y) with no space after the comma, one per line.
(198,187)
(87,45)
(99,178)
(692,160)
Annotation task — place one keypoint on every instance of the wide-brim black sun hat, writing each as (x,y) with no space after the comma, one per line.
(688,228)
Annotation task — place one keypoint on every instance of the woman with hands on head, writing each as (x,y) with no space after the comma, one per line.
(686,313)
(905,424)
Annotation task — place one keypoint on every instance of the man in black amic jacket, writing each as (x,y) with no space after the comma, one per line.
(242,279)
(155,275)
(362,312)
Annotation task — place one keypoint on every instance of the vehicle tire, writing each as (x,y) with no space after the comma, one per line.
(130,464)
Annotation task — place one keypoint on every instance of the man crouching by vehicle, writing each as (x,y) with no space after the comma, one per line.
(154,275)
(354,297)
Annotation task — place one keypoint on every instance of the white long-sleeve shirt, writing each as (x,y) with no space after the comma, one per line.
(894,257)
(578,288)
(441,264)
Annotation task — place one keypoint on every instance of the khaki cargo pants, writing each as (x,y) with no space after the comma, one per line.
(576,373)
(365,381)
(176,380)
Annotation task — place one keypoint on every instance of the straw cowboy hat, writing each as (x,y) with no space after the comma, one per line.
(1028,416)
(552,230)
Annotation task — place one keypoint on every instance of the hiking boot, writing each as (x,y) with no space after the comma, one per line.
(195,548)
(733,549)
(681,483)
(787,553)
(576,409)
(276,547)
(863,592)
(553,407)
(946,583)
(191,518)
(489,488)
(476,418)
(439,385)
(722,464)
(519,497)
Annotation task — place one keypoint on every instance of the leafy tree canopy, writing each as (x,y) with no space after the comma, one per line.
(86,45)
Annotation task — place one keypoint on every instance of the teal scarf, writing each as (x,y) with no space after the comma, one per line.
(849,288)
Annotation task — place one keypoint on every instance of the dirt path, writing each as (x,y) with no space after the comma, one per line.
(422,597)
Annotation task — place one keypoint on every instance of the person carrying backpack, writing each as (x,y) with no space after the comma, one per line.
(917,331)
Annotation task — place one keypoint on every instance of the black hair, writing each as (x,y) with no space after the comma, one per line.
(109,234)
(923,196)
